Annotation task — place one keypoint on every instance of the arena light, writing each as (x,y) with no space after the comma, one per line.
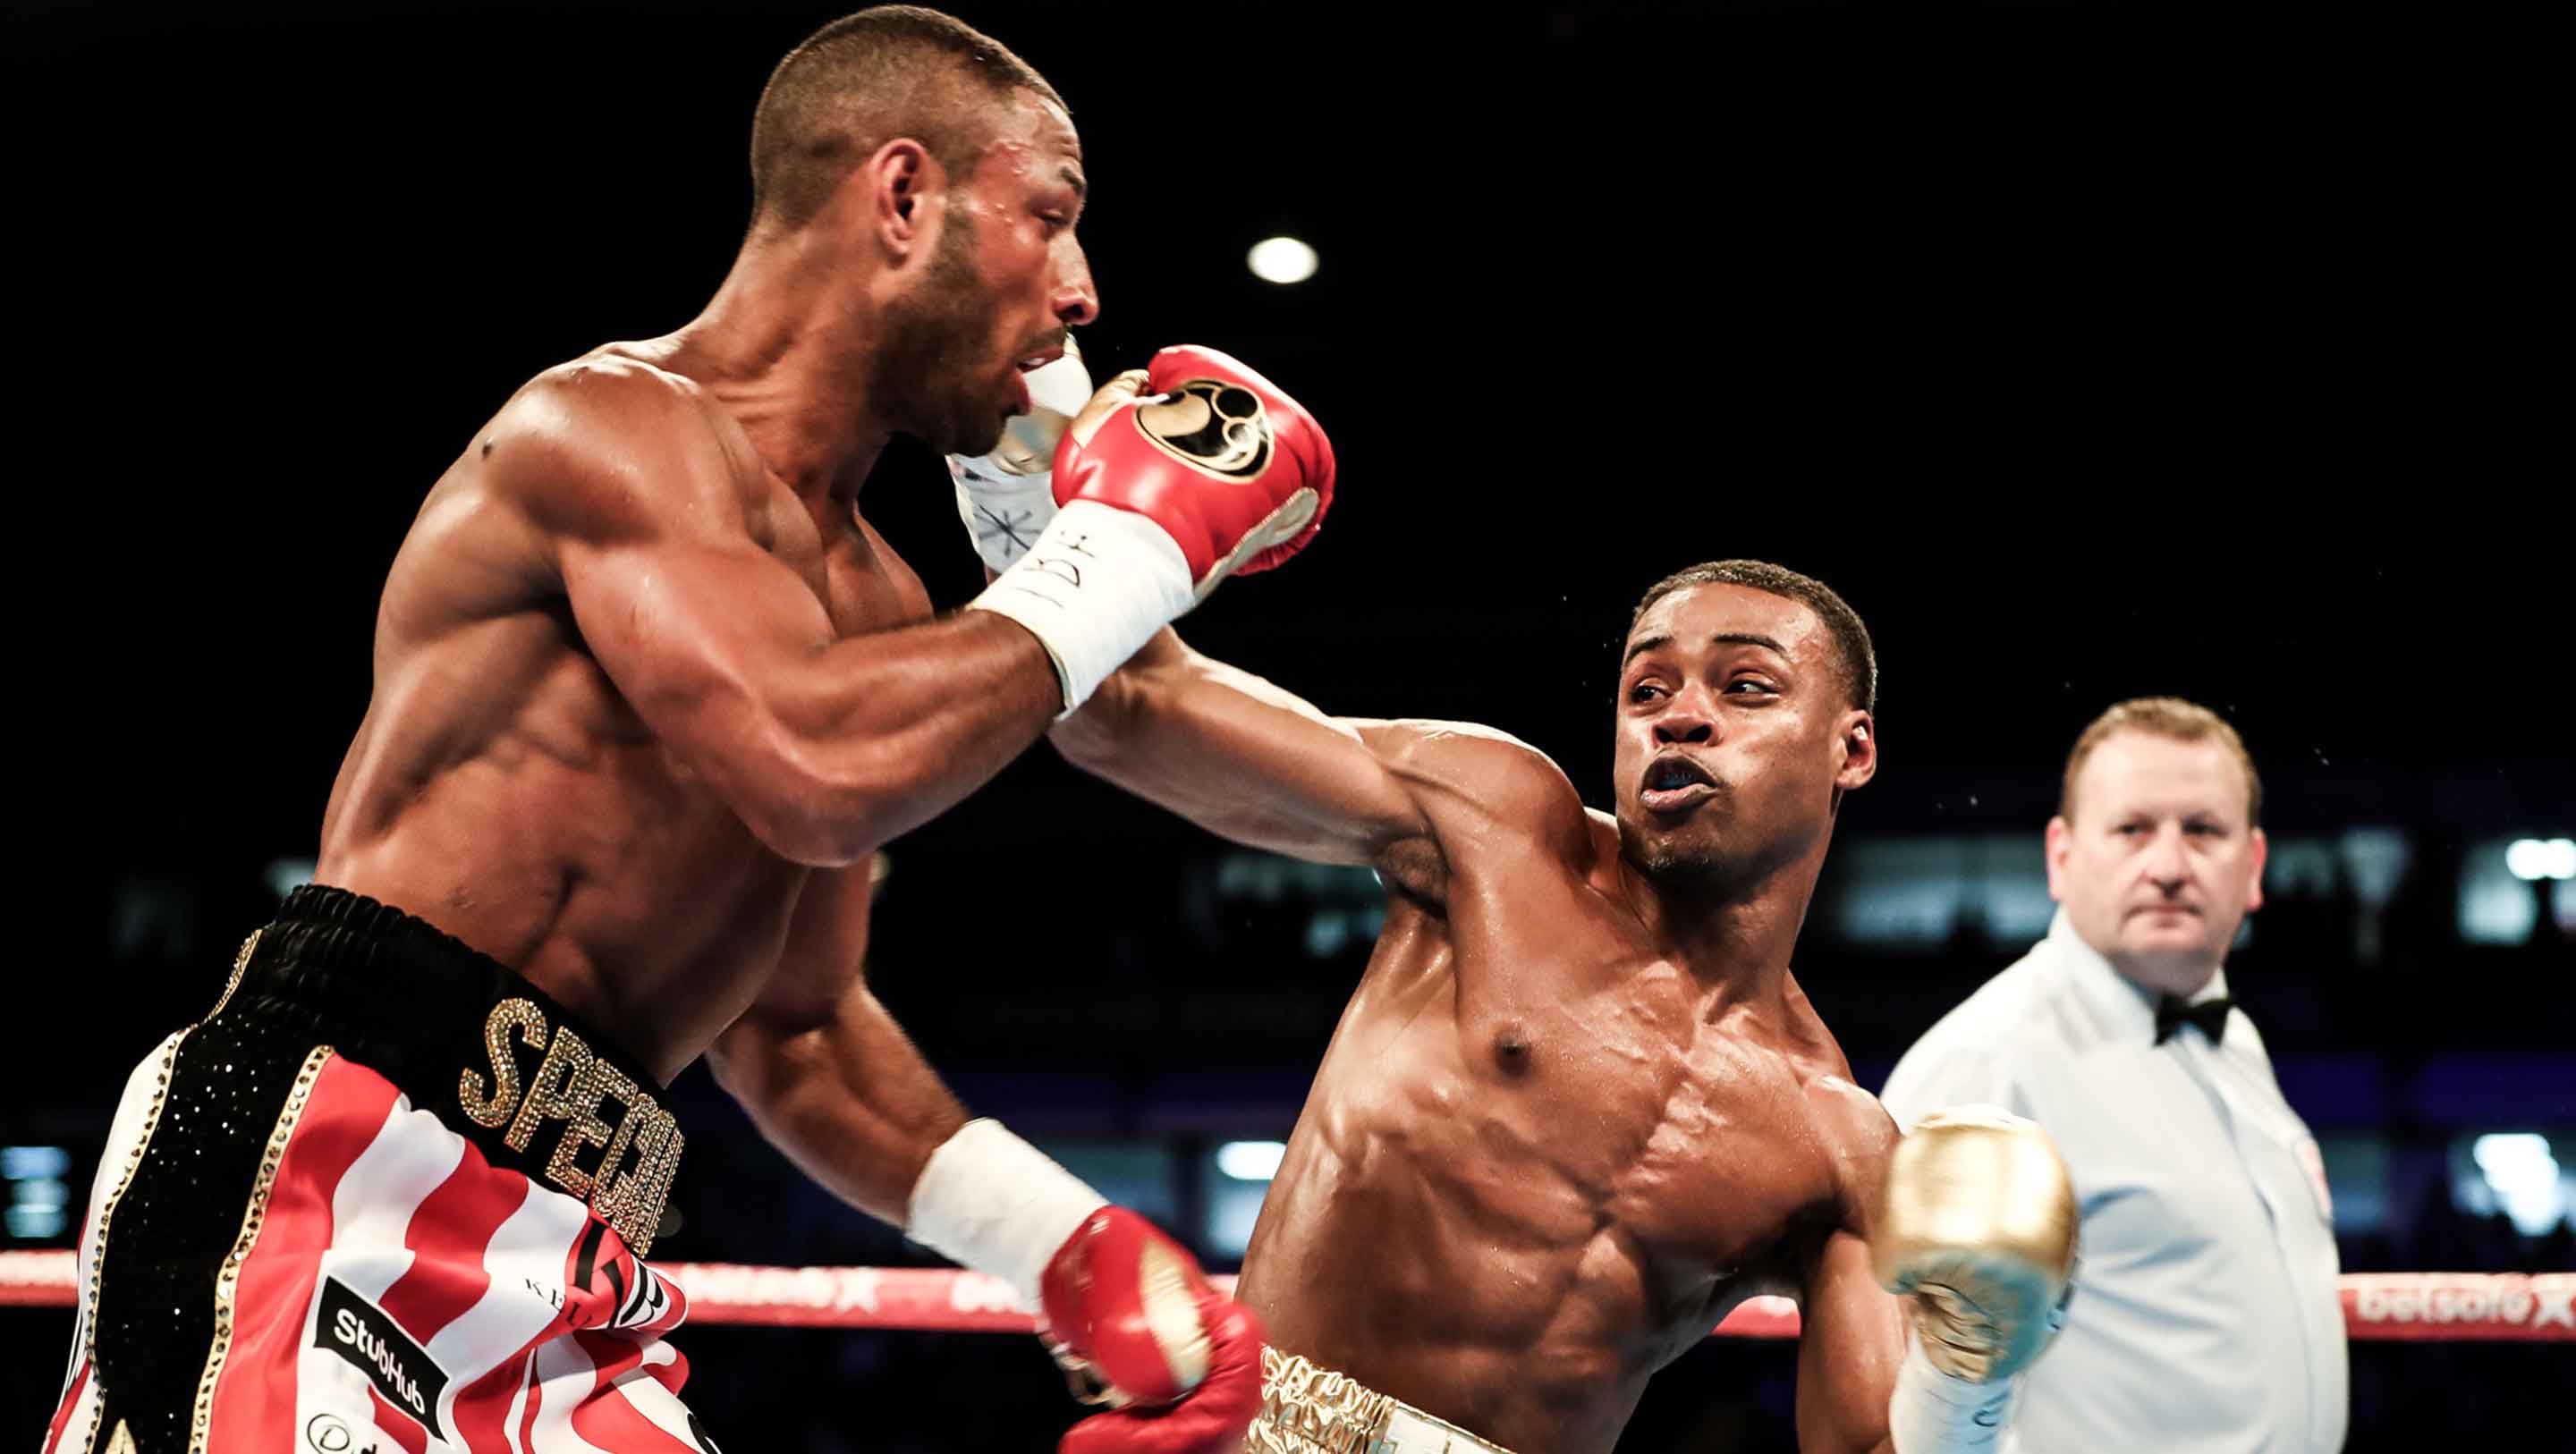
(1282,260)
(1250,1160)
(2531,859)
(2519,1166)
(31,1163)
(37,1196)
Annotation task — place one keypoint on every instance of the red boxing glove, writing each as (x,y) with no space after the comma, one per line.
(1131,1306)
(1235,471)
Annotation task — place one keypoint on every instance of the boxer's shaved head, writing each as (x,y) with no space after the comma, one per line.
(866,79)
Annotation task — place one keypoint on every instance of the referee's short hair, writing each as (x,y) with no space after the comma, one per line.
(2169,717)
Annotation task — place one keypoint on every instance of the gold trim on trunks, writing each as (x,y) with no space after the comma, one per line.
(1311,1410)
(571,1084)
(241,962)
(254,1217)
(107,1209)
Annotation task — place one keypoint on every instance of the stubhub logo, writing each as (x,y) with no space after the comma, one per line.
(359,1331)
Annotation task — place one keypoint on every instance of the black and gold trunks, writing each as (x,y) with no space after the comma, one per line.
(470,1040)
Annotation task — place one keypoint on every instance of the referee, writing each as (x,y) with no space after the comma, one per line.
(2205,1319)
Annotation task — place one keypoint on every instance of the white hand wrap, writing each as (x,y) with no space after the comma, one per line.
(1003,513)
(1007,497)
(1934,1413)
(1097,585)
(997,1204)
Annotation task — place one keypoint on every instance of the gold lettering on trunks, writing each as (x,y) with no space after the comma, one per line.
(598,1079)
(639,1198)
(550,1090)
(606,1191)
(506,1016)
(573,1083)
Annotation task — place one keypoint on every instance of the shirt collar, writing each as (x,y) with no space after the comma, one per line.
(2121,1006)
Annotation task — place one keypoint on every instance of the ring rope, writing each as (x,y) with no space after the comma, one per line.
(2379,1306)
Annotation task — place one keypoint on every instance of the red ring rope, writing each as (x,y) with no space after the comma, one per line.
(2404,1306)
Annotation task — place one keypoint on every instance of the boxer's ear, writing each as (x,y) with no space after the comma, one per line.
(900,189)
(1858,744)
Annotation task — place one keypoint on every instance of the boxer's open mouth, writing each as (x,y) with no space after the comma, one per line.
(1674,783)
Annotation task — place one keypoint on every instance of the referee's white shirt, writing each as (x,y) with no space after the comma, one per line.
(2205,1316)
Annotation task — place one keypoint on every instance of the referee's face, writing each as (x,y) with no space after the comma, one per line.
(2159,865)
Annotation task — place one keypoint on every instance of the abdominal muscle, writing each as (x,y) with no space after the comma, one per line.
(1433,1255)
(501,790)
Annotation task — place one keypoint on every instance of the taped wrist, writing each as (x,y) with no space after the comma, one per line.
(1097,585)
(991,1201)
(1934,1413)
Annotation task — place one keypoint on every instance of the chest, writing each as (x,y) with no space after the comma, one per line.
(1620,1112)
(859,580)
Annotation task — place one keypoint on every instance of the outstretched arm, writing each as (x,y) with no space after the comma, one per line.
(1244,758)
(1249,761)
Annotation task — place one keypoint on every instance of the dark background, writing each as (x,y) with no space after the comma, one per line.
(2088,356)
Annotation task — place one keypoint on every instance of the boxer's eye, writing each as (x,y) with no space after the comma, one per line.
(1644,692)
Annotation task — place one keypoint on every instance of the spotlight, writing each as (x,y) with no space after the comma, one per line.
(1282,260)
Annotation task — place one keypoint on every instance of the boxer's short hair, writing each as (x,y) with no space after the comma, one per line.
(2167,717)
(866,79)
(1856,659)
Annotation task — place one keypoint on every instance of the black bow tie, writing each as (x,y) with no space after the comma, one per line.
(2210,1015)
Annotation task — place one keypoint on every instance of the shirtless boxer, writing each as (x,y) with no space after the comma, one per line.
(1578,1107)
(649,692)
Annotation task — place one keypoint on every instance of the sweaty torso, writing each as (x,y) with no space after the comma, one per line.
(1541,1158)
(501,788)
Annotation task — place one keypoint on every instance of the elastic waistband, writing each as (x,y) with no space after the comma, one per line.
(470,1040)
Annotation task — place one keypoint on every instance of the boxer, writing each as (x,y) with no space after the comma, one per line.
(649,692)
(1578,1107)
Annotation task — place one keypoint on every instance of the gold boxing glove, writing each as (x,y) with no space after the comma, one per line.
(1976,1229)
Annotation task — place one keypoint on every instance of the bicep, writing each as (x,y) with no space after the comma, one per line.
(824,747)
(1851,1340)
(647,511)
(1242,757)
(693,633)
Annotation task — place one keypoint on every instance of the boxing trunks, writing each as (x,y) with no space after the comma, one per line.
(387,1196)
(1310,1410)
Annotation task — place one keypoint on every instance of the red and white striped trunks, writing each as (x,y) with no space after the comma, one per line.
(288,1250)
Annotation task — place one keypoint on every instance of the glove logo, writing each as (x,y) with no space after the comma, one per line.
(1210,425)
